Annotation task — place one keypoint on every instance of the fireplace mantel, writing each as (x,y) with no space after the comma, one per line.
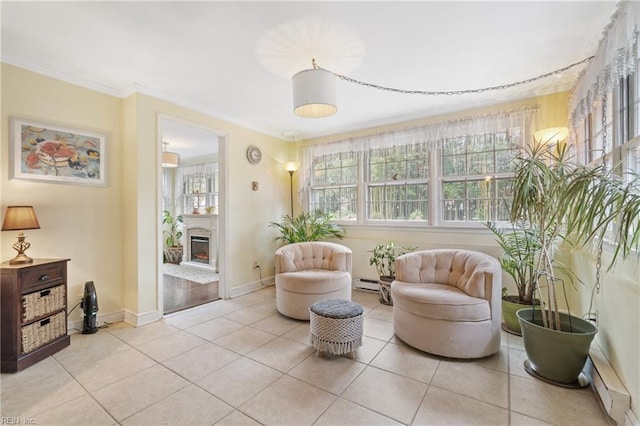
(205,225)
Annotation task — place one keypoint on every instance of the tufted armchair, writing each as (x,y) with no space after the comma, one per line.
(448,302)
(309,272)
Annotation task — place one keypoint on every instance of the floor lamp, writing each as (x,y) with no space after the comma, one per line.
(291,167)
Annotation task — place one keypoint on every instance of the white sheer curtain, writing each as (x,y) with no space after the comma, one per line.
(616,57)
(169,201)
(191,169)
(432,134)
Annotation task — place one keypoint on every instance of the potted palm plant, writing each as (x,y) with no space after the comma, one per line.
(311,226)
(566,202)
(173,232)
(384,258)
(520,244)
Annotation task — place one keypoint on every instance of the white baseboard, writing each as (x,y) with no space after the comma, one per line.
(631,419)
(614,397)
(76,326)
(143,318)
(250,287)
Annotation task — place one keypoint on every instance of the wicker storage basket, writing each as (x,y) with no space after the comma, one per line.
(41,303)
(42,332)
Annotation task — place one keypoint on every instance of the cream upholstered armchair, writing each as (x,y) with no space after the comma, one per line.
(448,302)
(309,272)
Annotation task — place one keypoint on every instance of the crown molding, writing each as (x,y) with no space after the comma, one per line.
(128,91)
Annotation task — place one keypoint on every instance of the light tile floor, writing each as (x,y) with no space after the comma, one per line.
(238,362)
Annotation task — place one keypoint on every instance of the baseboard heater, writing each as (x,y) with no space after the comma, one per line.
(366,284)
(614,397)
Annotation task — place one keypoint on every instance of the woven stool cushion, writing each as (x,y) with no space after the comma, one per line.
(336,309)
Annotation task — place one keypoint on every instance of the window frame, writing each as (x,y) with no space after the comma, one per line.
(368,183)
(433,180)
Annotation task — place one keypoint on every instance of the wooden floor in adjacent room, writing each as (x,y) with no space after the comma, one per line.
(181,294)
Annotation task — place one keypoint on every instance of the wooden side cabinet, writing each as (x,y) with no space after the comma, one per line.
(33,321)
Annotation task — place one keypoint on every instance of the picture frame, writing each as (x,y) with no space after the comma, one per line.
(56,153)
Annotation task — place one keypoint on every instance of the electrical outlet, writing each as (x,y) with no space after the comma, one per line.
(592,317)
(255,264)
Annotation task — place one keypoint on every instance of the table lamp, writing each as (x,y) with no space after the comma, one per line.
(19,218)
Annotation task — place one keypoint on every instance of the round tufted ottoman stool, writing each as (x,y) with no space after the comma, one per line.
(336,327)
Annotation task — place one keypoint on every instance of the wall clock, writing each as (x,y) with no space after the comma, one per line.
(253,154)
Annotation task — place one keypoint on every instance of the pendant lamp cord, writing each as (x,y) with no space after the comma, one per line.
(453,92)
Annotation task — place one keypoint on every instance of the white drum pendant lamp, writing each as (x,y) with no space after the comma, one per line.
(314,93)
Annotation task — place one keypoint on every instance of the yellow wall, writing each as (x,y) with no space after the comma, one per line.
(617,305)
(82,223)
(112,233)
(245,211)
(553,112)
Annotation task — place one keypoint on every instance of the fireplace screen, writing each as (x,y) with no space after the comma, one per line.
(200,249)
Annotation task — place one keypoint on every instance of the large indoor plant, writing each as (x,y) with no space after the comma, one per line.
(520,244)
(312,226)
(384,258)
(565,202)
(173,232)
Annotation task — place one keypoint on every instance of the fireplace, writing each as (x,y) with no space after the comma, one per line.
(199,249)
(201,240)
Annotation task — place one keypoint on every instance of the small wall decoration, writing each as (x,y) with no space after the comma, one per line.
(57,154)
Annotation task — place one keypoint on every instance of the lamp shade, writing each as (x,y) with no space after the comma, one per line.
(19,218)
(314,93)
(170,159)
(551,135)
(291,166)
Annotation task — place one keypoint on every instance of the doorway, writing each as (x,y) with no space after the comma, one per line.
(192,193)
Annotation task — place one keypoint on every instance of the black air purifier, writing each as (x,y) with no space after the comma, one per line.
(89,306)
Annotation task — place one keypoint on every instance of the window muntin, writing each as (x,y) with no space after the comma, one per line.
(333,189)
(477,175)
(397,184)
(633,159)
(199,192)
(457,181)
(622,118)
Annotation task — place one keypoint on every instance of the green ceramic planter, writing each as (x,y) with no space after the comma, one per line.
(556,356)
(511,323)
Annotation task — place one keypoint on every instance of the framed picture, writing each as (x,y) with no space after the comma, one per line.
(55,153)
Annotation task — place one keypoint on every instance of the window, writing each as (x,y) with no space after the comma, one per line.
(621,117)
(397,186)
(454,173)
(199,192)
(334,184)
(633,158)
(597,147)
(477,176)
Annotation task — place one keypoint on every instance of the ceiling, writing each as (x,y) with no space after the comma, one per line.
(235,60)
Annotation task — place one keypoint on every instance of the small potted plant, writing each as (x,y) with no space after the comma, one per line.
(173,232)
(384,257)
(520,245)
